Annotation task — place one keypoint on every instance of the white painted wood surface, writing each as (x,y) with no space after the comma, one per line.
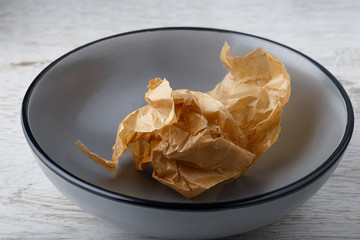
(34,33)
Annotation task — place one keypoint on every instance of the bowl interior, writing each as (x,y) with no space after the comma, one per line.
(86,94)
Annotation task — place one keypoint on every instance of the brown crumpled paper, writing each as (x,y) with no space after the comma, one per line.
(195,140)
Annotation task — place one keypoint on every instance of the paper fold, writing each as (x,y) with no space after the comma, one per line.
(195,140)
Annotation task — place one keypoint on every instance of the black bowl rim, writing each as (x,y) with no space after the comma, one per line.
(193,206)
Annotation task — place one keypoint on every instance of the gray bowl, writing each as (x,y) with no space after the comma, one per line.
(87,92)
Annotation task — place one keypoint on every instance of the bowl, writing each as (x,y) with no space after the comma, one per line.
(87,92)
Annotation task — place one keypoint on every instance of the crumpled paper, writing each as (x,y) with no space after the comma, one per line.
(196,140)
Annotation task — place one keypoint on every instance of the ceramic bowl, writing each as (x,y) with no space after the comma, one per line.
(87,92)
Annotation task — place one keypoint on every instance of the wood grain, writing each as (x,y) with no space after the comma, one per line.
(34,33)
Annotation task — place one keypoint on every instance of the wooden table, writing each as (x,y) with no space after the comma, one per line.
(34,33)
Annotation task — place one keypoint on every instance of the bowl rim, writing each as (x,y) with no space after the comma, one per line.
(187,206)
